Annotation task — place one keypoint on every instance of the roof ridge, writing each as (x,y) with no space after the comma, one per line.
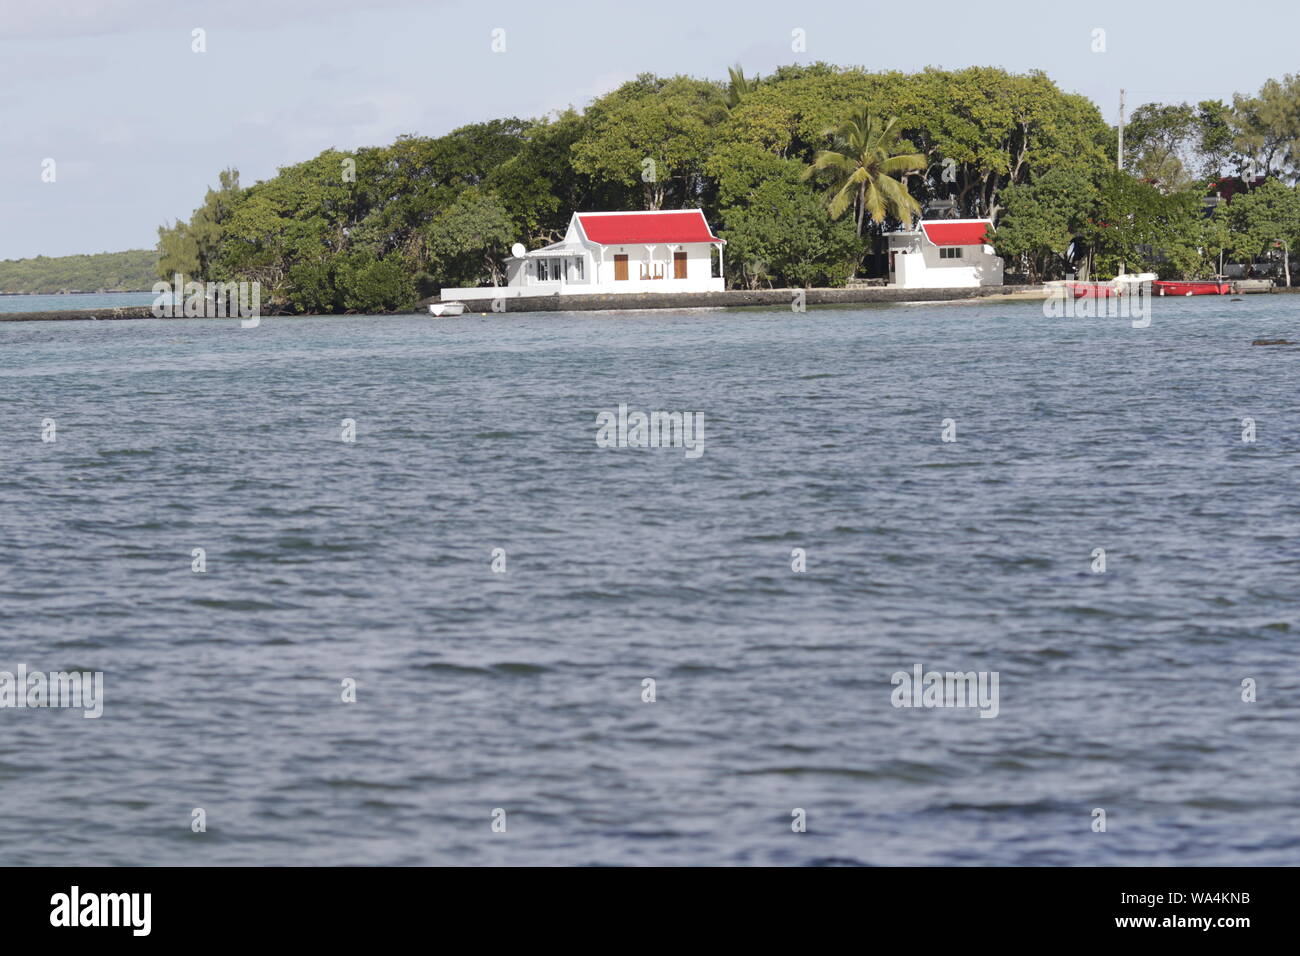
(638,212)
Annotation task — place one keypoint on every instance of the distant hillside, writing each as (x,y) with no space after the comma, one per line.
(131,271)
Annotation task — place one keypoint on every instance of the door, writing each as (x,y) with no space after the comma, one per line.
(620,268)
(679,265)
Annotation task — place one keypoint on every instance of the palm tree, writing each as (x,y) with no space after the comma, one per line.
(863,163)
(738,86)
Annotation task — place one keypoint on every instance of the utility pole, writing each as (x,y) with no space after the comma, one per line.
(1119,162)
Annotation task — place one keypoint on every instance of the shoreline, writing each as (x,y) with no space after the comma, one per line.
(732,298)
(635,302)
(91,292)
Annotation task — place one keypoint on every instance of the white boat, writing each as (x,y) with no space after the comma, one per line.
(446,308)
(1133,278)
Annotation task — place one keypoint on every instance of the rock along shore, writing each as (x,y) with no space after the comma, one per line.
(82,315)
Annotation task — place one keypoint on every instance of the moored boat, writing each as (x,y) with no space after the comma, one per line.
(1093,290)
(446,308)
(1124,285)
(1195,287)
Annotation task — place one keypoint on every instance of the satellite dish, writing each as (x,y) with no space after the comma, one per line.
(518,250)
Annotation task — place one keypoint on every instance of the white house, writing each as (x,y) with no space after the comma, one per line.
(943,254)
(603,252)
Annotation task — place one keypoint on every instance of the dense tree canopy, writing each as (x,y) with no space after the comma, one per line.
(375,229)
(1262,222)
(131,271)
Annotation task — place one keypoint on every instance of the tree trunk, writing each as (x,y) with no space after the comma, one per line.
(963,198)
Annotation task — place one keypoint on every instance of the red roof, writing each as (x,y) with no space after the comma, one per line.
(957,232)
(686,225)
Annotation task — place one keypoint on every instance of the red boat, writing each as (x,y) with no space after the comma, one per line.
(1092,290)
(1125,285)
(1202,287)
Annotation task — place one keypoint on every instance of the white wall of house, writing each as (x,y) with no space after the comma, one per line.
(649,267)
(917,263)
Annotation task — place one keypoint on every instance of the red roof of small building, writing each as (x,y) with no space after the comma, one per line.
(957,232)
(615,229)
(1229,186)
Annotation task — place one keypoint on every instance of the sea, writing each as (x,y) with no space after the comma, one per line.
(395,591)
(73,300)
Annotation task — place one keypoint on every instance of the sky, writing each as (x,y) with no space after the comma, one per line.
(138,124)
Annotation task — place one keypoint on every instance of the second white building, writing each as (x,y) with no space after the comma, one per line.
(944,254)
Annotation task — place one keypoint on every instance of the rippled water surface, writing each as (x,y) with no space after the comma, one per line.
(522,690)
(75,300)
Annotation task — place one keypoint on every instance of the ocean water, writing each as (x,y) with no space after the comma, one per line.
(521,691)
(78,300)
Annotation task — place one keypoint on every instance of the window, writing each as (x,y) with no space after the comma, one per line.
(550,270)
(950,252)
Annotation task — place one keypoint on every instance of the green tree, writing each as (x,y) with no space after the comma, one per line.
(782,231)
(177,251)
(280,229)
(656,134)
(862,163)
(1158,141)
(984,129)
(1264,223)
(367,284)
(467,241)
(1142,229)
(788,114)
(1267,127)
(540,186)
(192,248)
(1214,137)
(1041,220)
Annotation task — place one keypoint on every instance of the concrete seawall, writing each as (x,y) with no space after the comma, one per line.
(732,298)
(80,315)
(735,298)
